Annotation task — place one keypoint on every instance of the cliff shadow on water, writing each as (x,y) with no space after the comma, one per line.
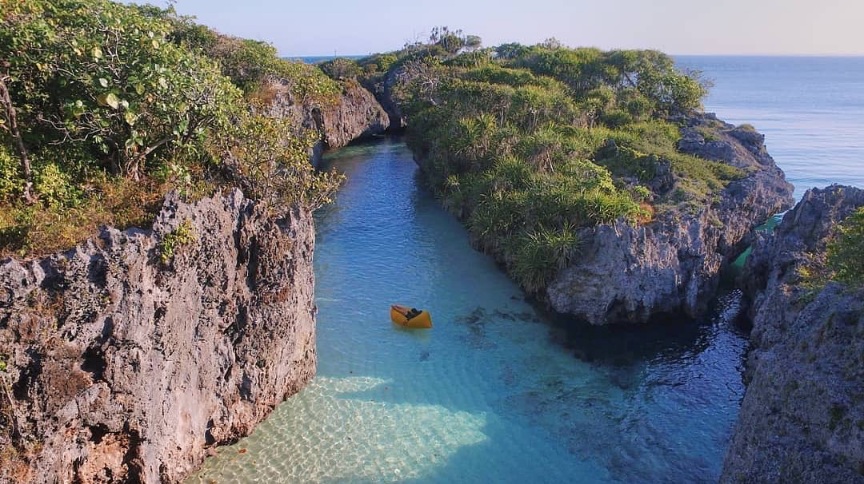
(666,337)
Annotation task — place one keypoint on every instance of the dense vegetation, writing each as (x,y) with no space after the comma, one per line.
(530,145)
(104,107)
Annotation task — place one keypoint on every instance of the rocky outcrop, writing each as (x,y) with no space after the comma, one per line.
(672,265)
(356,114)
(802,418)
(125,358)
(384,87)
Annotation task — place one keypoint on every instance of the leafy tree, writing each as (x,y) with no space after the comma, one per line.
(551,43)
(273,166)
(673,92)
(341,68)
(103,76)
(246,62)
(452,41)
(377,63)
(114,104)
(511,51)
(9,122)
(473,42)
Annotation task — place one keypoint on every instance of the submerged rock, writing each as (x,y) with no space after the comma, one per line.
(125,361)
(802,418)
(673,264)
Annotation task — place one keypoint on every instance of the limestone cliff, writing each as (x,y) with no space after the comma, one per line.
(802,418)
(672,265)
(128,355)
(356,114)
(384,87)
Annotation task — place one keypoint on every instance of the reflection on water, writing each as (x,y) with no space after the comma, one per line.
(495,392)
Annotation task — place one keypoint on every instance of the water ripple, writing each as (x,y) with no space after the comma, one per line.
(494,392)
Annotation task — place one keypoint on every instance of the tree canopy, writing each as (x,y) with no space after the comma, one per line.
(95,93)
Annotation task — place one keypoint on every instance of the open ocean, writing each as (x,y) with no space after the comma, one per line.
(810,109)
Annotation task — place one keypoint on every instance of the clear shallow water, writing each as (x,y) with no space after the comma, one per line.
(810,109)
(495,392)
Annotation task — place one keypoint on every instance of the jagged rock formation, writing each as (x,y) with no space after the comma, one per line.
(383,88)
(672,265)
(802,418)
(124,363)
(356,114)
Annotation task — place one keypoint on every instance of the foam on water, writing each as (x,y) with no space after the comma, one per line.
(494,392)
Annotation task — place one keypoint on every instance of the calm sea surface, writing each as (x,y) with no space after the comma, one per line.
(810,109)
(497,392)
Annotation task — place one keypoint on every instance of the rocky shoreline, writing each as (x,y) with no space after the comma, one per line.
(121,365)
(802,418)
(673,264)
(628,273)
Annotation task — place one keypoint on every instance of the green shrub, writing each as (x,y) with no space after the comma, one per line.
(341,68)
(846,250)
(171,242)
(377,63)
(539,255)
(55,188)
(10,179)
(273,166)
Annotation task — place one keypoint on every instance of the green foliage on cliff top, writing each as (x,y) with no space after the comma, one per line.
(846,250)
(104,107)
(531,144)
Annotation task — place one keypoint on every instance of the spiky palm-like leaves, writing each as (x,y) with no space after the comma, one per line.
(539,255)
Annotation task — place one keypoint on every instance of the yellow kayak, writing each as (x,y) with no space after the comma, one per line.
(410,317)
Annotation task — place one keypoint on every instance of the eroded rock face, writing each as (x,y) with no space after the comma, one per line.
(802,418)
(355,115)
(383,88)
(672,265)
(126,368)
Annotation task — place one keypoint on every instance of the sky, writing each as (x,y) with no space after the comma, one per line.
(678,27)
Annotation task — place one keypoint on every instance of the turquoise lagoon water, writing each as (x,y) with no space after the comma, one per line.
(497,392)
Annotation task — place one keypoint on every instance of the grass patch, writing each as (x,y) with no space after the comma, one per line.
(173,241)
(33,231)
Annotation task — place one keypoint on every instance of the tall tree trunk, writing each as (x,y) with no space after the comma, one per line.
(12,119)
